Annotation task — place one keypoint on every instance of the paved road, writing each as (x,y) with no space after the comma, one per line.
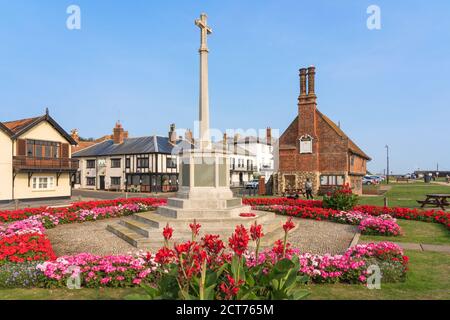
(107,195)
(86,195)
(81,195)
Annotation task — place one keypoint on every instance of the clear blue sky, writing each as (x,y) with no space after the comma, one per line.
(138,61)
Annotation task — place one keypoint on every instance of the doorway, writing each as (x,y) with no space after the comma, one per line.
(102,182)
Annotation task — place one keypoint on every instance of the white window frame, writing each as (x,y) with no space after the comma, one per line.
(306,144)
(43,183)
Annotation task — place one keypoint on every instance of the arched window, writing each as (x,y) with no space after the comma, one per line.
(306,144)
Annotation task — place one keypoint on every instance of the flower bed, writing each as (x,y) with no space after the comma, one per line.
(190,260)
(25,247)
(436,216)
(382,225)
(281,201)
(96,271)
(14,215)
(25,240)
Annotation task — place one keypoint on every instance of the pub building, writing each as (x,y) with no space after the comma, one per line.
(142,164)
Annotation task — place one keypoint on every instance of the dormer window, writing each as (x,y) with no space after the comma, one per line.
(306,144)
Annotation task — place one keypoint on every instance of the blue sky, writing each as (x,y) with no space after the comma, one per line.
(137,61)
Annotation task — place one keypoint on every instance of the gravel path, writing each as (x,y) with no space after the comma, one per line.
(322,237)
(311,236)
(91,237)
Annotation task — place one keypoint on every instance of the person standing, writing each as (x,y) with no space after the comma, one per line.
(309,189)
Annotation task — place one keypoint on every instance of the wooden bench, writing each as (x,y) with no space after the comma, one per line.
(403,180)
(436,200)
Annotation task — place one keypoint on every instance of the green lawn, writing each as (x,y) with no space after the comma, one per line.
(427,279)
(417,232)
(66,294)
(405,195)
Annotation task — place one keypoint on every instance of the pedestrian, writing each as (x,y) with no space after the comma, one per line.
(309,189)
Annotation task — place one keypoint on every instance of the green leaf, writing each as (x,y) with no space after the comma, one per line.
(299,294)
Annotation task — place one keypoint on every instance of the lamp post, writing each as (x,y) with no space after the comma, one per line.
(387,163)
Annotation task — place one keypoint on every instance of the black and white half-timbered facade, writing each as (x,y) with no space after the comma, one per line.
(144,164)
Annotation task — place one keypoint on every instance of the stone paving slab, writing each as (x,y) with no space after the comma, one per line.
(410,246)
(419,246)
(436,248)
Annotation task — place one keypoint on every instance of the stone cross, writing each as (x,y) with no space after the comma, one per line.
(205,30)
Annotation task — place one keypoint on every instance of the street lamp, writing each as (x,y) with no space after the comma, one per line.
(387,163)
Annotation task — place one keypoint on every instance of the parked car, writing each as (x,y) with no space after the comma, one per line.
(253,184)
(376,179)
(367,180)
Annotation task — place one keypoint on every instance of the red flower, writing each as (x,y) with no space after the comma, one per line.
(289,225)
(164,255)
(256,232)
(195,227)
(212,244)
(167,232)
(230,289)
(247,215)
(239,240)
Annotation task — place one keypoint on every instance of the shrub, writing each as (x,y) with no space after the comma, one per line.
(20,275)
(384,225)
(341,198)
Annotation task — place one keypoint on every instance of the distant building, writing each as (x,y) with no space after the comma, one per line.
(35,160)
(261,149)
(315,147)
(434,173)
(242,162)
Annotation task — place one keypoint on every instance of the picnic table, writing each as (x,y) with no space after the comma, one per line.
(293,193)
(437,200)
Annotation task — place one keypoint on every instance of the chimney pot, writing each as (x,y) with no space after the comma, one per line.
(172,134)
(303,72)
(269,136)
(119,134)
(188,136)
(311,80)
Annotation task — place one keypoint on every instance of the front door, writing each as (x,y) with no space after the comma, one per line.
(102,182)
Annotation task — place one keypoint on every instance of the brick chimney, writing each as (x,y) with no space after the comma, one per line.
(311,81)
(189,136)
(225,141)
(235,142)
(303,72)
(307,123)
(74,135)
(173,134)
(269,136)
(119,135)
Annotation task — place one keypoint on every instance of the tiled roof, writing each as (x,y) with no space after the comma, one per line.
(86,144)
(142,145)
(351,145)
(17,125)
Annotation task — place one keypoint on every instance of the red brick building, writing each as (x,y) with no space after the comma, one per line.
(314,147)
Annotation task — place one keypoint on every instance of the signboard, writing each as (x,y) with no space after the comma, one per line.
(306,144)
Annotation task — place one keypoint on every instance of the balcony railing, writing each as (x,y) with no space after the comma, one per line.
(31,163)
